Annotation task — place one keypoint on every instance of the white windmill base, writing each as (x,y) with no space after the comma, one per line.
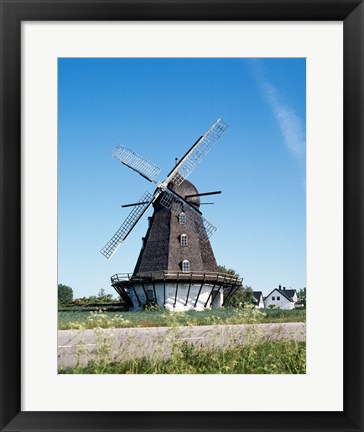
(177,297)
(176,291)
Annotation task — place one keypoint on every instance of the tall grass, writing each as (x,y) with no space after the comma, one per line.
(265,357)
(111,319)
(229,352)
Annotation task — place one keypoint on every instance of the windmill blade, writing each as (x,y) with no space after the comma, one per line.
(203,194)
(142,166)
(195,154)
(203,228)
(113,244)
(135,204)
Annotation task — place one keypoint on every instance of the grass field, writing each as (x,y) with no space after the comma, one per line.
(269,357)
(83,319)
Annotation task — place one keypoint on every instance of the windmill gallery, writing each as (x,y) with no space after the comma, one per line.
(176,267)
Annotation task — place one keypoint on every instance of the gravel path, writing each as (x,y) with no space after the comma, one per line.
(124,344)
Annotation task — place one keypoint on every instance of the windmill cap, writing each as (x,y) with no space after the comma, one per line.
(184,189)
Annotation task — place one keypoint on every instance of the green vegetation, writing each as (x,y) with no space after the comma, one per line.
(253,355)
(268,357)
(65,295)
(241,297)
(102,300)
(162,318)
(301,294)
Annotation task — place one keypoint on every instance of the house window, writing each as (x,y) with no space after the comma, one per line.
(186,266)
(184,240)
(278,298)
(182,218)
(273,298)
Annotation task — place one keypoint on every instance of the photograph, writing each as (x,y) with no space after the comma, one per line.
(182,216)
(174,177)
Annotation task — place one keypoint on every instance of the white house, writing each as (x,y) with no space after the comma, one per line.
(281,298)
(258,299)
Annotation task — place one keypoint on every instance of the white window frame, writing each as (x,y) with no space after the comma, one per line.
(186,266)
(184,240)
(182,218)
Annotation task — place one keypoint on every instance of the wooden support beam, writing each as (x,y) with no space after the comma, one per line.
(175,298)
(208,298)
(228,296)
(145,292)
(136,295)
(188,292)
(216,293)
(199,291)
(155,294)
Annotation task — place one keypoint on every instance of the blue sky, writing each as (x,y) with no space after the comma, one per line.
(158,108)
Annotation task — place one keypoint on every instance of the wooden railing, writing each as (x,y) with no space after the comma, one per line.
(211,277)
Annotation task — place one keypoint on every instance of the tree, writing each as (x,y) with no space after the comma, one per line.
(302,295)
(242,295)
(103,297)
(229,271)
(65,295)
(101,293)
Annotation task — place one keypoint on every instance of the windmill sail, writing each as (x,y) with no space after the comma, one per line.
(196,153)
(179,173)
(113,244)
(203,228)
(137,163)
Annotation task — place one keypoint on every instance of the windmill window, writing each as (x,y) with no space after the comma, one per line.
(182,218)
(184,240)
(186,266)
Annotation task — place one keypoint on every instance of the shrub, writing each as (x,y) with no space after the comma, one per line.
(152,306)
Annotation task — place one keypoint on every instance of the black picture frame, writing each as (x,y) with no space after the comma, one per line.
(13,12)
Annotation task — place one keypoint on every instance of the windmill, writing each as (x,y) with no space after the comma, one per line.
(176,267)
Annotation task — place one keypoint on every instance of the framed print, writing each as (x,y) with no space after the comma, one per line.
(39,42)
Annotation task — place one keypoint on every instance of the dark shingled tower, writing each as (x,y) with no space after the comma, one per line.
(162,249)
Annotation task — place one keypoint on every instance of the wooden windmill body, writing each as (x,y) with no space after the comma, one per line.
(176,267)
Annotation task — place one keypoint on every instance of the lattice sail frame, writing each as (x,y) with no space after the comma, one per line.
(203,228)
(196,153)
(137,163)
(113,244)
